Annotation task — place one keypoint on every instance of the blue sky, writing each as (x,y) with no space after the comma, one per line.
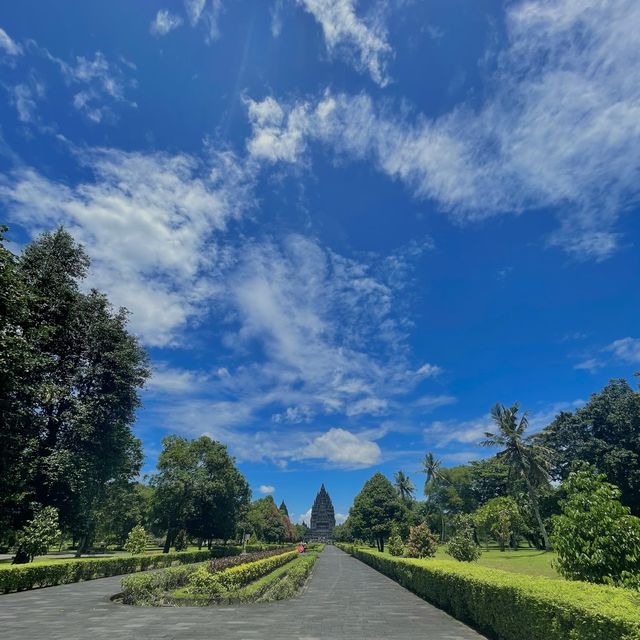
(343,229)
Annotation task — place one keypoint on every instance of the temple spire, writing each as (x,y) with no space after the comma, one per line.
(323,518)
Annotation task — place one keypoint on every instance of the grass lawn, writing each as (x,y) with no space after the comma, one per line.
(529,561)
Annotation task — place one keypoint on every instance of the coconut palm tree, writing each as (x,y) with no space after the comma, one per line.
(431,468)
(404,486)
(528,460)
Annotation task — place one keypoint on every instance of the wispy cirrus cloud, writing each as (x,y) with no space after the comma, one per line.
(165,22)
(621,351)
(559,128)
(149,223)
(8,45)
(364,42)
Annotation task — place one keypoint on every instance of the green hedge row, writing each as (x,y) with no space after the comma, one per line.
(205,582)
(25,576)
(151,589)
(510,606)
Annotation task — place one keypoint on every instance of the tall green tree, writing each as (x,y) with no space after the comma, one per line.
(528,460)
(266,521)
(197,488)
(604,433)
(375,509)
(69,398)
(404,486)
(431,467)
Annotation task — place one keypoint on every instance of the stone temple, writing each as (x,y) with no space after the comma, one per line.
(323,518)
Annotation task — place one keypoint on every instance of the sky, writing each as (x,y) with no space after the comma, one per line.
(344,229)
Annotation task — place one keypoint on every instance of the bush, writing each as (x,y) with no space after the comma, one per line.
(422,543)
(136,540)
(38,534)
(21,577)
(596,537)
(395,544)
(213,584)
(510,606)
(181,542)
(462,546)
(152,588)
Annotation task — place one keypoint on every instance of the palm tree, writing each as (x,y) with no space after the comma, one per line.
(529,460)
(431,467)
(404,486)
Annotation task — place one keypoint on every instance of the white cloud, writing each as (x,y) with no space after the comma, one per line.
(305,517)
(103,83)
(344,32)
(442,433)
(431,402)
(276,18)
(10,47)
(626,349)
(559,129)
(164,22)
(341,517)
(201,12)
(171,380)
(428,371)
(148,222)
(266,489)
(25,97)
(589,364)
(343,448)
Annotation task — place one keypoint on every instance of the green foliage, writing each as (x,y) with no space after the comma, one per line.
(122,507)
(605,433)
(70,379)
(404,486)
(39,534)
(197,488)
(210,584)
(137,540)
(395,544)
(152,588)
(22,577)
(501,518)
(375,509)
(462,546)
(342,532)
(421,543)
(596,537)
(267,522)
(508,606)
(181,541)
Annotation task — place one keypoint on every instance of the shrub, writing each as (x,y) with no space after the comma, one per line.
(501,518)
(510,606)
(205,582)
(136,540)
(596,537)
(462,546)
(181,542)
(422,543)
(38,534)
(152,588)
(395,544)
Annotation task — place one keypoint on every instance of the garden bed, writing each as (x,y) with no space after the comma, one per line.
(260,577)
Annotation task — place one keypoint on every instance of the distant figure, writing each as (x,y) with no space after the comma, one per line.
(301,548)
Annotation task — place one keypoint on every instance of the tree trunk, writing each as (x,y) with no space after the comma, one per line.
(536,511)
(21,557)
(83,544)
(167,542)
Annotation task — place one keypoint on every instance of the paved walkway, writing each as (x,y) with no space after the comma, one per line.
(345,599)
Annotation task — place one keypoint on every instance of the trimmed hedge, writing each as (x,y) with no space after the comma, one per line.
(150,589)
(22,577)
(509,606)
(205,582)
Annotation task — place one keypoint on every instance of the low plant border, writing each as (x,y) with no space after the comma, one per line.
(281,584)
(510,606)
(153,588)
(25,576)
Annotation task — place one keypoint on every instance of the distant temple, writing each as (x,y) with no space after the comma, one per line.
(323,518)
